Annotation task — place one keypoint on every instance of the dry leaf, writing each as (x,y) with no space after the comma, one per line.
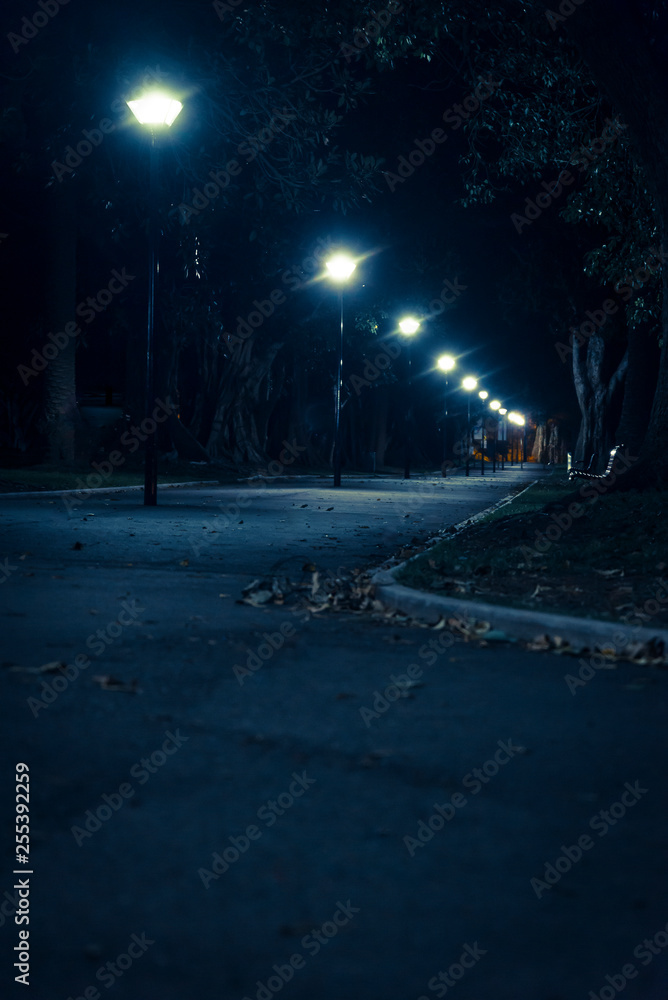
(46,668)
(109,683)
(539,644)
(405,686)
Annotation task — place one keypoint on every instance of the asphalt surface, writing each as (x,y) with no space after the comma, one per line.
(242,818)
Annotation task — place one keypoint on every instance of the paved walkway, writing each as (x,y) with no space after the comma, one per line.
(292,826)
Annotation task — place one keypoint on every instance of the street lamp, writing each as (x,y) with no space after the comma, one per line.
(502,413)
(469,384)
(519,421)
(495,405)
(512,419)
(409,326)
(157,111)
(446,363)
(483,395)
(340,267)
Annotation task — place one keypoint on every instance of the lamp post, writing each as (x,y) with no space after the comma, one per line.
(469,384)
(496,406)
(158,111)
(445,363)
(409,327)
(502,412)
(483,395)
(524,438)
(519,421)
(340,267)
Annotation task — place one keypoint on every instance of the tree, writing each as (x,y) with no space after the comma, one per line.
(564,75)
(259,98)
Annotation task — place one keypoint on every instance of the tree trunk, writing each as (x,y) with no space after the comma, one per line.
(382,395)
(596,395)
(297,429)
(540,451)
(60,402)
(639,389)
(613,41)
(239,427)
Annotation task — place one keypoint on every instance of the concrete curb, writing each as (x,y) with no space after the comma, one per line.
(516,623)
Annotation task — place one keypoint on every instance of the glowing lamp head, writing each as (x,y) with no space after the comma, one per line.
(469,383)
(495,405)
(516,418)
(340,267)
(155,108)
(483,394)
(503,411)
(409,326)
(446,362)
